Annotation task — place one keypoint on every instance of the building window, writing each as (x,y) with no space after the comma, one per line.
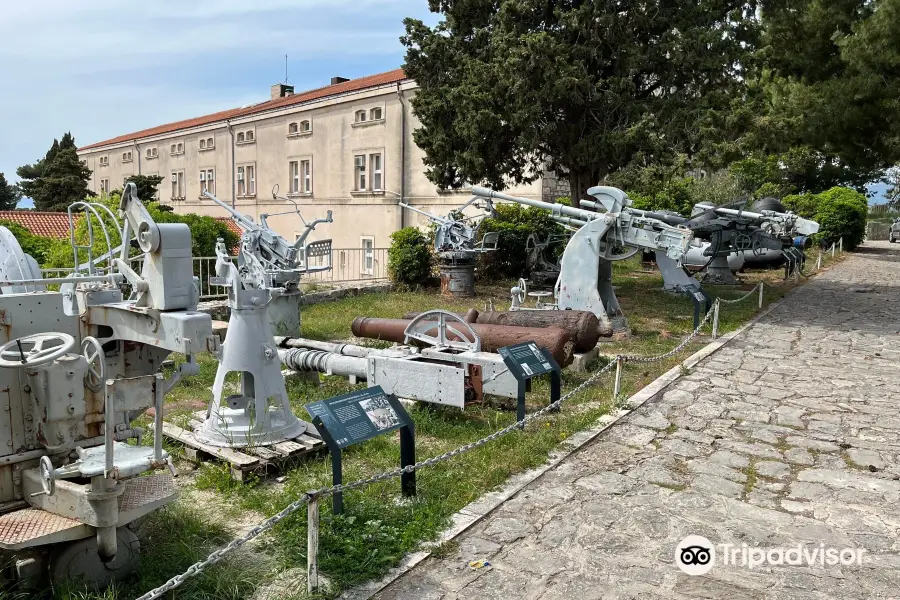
(180,148)
(152,153)
(368,172)
(249,136)
(305,126)
(126,157)
(306,176)
(375,160)
(368,255)
(246,180)
(207,181)
(173,150)
(240,137)
(244,137)
(375,114)
(360,116)
(294,186)
(178,185)
(104,161)
(293,129)
(207,144)
(359,173)
(104,187)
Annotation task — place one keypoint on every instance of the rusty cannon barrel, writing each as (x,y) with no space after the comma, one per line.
(582,326)
(470,316)
(493,337)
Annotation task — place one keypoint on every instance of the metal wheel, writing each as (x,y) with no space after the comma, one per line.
(34,350)
(92,351)
(79,561)
(523,290)
(432,328)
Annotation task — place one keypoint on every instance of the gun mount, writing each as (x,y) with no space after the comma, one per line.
(455,242)
(79,366)
(268,261)
(264,297)
(585,277)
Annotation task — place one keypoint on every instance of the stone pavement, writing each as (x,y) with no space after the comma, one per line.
(790,434)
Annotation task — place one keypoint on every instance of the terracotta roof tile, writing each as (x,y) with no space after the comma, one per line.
(353,85)
(45,224)
(55,225)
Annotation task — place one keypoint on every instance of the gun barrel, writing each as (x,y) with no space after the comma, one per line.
(556,209)
(241,219)
(801,225)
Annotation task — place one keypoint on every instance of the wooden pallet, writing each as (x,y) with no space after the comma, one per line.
(243,461)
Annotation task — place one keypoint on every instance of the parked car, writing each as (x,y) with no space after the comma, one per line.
(895,231)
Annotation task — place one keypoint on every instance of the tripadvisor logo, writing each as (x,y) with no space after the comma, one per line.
(696,555)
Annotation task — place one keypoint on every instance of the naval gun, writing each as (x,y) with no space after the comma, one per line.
(267,260)
(264,299)
(455,243)
(78,366)
(585,276)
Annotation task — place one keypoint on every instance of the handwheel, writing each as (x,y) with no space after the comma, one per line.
(92,352)
(34,350)
(523,290)
(432,328)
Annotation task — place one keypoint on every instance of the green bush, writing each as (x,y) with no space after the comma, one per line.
(409,257)
(515,223)
(678,195)
(204,233)
(35,245)
(840,212)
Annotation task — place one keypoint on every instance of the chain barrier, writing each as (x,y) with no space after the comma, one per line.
(742,298)
(293,507)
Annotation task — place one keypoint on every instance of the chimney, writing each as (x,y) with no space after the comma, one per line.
(336,80)
(280,90)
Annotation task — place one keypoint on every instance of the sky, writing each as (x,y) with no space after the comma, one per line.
(107,67)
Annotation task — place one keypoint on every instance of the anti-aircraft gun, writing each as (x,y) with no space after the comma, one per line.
(77,368)
(585,278)
(264,298)
(455,242)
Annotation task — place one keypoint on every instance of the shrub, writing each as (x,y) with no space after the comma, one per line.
(678,196)
(841,213)
(35,245)
(515,223)
(409,257)
(204,233)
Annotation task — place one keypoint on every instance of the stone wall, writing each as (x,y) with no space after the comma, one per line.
(553,186)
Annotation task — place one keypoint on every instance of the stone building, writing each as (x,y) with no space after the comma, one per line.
(346,147)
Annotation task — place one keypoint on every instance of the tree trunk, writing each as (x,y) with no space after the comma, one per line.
(579,183)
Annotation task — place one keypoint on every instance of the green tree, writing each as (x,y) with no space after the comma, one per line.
(9,194)
(830,70)
(38,247)
(58,179)
(840,212)
(585,88)
(147,186)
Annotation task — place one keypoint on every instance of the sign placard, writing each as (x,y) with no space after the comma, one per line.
(527,360)
(359,416)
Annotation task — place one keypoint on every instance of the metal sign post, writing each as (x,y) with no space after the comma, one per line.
(359,416)
(526,361)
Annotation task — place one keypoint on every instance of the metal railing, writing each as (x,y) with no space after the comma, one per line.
(348,265)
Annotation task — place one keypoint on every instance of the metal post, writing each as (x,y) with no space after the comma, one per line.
(842,244)
(832,249)
(618,387)
(761,286)
(797,272)
(312,545)
(715,325)
(158,417)
(819,261)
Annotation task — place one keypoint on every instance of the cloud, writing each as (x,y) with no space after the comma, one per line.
(106,67)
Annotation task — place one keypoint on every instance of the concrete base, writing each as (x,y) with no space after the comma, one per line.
(580,362)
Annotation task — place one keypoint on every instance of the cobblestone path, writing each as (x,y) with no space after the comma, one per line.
(788,435)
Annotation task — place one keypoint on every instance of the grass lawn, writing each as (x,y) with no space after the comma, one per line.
(378,527)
